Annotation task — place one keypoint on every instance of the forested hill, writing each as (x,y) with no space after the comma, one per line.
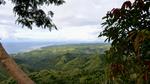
(62,64)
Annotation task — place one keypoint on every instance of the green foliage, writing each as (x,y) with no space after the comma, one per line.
(127,28)
(29,12)
(3,74)
(63,64)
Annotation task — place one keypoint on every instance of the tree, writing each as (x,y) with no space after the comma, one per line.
(29,13)
(128,30)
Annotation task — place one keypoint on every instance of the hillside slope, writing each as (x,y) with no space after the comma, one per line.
(68,64)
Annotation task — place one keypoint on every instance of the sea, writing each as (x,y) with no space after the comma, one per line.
(19,47)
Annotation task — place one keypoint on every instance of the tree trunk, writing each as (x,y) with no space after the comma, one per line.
(12,68)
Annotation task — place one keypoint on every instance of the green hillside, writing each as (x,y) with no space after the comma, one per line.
(62,64)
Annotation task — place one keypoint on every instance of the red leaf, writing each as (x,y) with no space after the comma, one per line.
(126,4)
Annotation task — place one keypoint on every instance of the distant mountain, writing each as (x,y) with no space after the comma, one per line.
(18,47)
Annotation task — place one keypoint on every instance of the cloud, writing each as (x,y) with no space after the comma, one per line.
(83,33)
(77,20)
(83,12)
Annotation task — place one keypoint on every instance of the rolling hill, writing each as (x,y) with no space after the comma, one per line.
(62,64)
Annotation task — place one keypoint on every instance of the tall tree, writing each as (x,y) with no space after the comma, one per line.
(128,29)
(28,12)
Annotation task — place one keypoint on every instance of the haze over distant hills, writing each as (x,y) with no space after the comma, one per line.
(16,47)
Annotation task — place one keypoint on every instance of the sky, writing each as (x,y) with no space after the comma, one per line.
(76,20)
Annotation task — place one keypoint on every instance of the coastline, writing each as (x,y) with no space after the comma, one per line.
(14,48)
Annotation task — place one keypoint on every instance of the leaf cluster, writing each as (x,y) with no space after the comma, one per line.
(29,12)
(2,2)
(128,28)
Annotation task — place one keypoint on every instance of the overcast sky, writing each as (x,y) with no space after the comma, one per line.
(77,20)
